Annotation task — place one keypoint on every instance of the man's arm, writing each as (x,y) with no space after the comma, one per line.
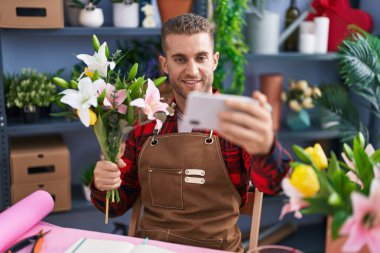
(250,127)
(105,178)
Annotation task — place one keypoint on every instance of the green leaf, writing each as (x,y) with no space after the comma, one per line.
(117,196)
(101,135)
(159,80)
(95,42)
(136,92)
(101,97)
(376,156)
(339,219)
(133,72)
(364,167)
(348,151)
(302,155)
(107,51)
(95,76)
(333,165)
(318,205)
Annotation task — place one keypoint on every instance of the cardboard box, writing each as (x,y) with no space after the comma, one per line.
(60,191)
(39,159)
(31,14)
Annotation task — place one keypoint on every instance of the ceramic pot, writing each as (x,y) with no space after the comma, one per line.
(91,17)
(298,120)
(126,15)
(335,246)
(271,87)
(31,114)
(172,8)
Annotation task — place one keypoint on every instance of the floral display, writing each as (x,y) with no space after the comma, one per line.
(300,95)
(108,101)
(347,190)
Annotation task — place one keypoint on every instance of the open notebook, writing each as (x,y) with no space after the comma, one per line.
(85,245)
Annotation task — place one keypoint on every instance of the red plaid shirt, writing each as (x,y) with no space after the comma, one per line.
(265,171)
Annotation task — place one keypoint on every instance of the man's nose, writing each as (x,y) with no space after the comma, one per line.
(192,68)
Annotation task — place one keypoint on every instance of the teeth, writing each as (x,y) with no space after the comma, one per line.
(190,82)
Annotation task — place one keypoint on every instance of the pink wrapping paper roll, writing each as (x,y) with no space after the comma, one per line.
(22,216)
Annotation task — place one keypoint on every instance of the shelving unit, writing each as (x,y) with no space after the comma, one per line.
(11,128)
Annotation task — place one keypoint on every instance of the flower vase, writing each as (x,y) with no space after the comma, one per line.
(126,15)
(91,16)
(298,120)
(31,114)
(335,246)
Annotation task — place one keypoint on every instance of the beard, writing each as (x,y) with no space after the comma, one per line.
(181,90)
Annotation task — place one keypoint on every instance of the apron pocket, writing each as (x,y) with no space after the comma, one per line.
(165,186)
(192,241)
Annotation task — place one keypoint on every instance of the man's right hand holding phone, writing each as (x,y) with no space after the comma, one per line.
(248,125)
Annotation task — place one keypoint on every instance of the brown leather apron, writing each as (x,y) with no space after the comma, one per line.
(187,194)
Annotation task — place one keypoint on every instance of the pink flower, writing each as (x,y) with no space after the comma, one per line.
(363,227)
(114,98)
(296,202)
(151,104)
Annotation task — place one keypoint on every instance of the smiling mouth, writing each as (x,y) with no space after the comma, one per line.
(190,83)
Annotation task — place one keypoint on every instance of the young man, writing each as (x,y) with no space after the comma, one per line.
(192,183)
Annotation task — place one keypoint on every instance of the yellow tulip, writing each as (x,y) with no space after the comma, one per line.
(318,156)
(88,73)
(305,180)
(93,117)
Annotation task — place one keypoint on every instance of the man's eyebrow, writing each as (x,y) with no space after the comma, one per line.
(178,55)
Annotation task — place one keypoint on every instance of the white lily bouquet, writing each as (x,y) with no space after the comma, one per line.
(105,99)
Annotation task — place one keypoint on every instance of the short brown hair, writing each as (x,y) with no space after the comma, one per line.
(188,24)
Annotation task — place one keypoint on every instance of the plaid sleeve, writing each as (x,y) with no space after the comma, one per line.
(130,187)
(267,171)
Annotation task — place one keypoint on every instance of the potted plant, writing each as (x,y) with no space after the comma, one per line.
(300,97)
(89,15)
(87,176)
(30,91)
(125,13)
(229,42)
(172,8)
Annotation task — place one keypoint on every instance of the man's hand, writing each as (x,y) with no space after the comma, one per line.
(107,174)
(248,126)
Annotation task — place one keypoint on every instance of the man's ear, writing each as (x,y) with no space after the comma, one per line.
(215,59)
(164,64)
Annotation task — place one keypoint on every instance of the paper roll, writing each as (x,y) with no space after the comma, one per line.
(307,43)
(22,216)
(321,31)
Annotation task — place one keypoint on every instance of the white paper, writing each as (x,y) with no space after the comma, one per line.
(86,245)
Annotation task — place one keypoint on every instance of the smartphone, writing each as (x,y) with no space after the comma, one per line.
(202,109)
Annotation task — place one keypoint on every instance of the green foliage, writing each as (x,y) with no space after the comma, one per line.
(340,113)
(125,1)
(29,88)
(88,174)
(229,42)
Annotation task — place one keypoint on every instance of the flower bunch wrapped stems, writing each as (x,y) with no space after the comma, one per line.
(348,190)
(108,101)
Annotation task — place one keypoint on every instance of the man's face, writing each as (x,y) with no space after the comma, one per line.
(190,63)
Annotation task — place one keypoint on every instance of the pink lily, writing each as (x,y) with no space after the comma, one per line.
(363,227)
(151,104)
(296,202)
(114,98)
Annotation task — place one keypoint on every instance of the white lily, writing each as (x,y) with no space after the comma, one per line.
(97,62)
(83,98)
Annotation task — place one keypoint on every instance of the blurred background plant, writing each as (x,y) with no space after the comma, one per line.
(29,88)
(87,176)
(359,58)
(300,95)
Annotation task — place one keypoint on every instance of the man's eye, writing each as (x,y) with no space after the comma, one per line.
(179,60)
(202,58)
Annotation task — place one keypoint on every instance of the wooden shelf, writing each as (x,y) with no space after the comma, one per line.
(285,56)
